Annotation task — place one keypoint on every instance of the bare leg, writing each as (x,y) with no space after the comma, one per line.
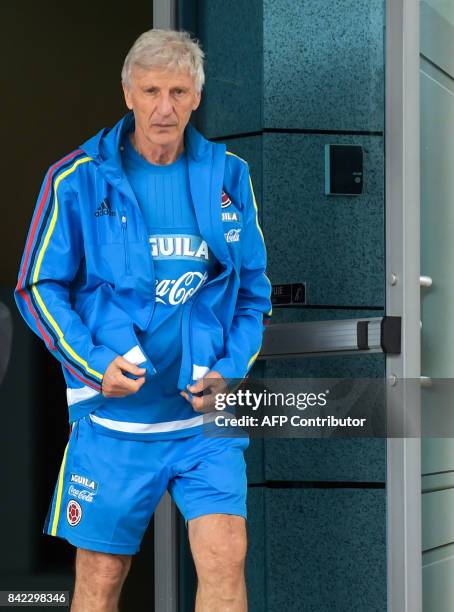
(218,545)
(99,578)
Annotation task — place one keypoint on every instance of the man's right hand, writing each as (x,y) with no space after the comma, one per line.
(116,384)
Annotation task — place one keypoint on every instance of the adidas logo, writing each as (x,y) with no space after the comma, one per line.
(105,209)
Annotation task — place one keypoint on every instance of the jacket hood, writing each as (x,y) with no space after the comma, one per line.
(105,145)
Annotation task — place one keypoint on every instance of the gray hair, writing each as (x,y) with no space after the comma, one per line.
(166,49)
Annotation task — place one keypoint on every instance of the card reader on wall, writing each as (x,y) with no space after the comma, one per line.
(343,169)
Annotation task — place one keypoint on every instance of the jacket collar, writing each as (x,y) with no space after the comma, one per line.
(105,145)
(206,161)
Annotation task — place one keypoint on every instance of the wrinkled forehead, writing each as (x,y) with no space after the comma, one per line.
(162,76)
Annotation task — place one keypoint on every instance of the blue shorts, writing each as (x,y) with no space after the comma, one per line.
(108,488)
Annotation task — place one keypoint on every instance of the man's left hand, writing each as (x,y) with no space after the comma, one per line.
(211,384)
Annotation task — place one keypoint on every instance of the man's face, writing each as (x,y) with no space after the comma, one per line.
(162,101)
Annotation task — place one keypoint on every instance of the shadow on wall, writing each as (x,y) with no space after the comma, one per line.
(63,72)
(6,336)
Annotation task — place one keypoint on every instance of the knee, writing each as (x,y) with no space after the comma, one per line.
(104,571)
(229,551)
(221,554)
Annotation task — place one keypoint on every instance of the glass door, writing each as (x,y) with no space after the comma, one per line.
(437,299)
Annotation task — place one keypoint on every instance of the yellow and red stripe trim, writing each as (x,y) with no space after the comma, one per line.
(41,254)
(57,509)
(35,303)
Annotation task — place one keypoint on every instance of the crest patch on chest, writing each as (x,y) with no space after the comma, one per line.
(225,200)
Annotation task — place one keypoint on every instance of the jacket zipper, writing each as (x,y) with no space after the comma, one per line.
(184,376)
(186,327)
(124,227)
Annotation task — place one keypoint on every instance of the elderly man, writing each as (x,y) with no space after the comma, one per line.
(144,273)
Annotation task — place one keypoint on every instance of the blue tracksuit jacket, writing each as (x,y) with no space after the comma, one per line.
(86,283)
